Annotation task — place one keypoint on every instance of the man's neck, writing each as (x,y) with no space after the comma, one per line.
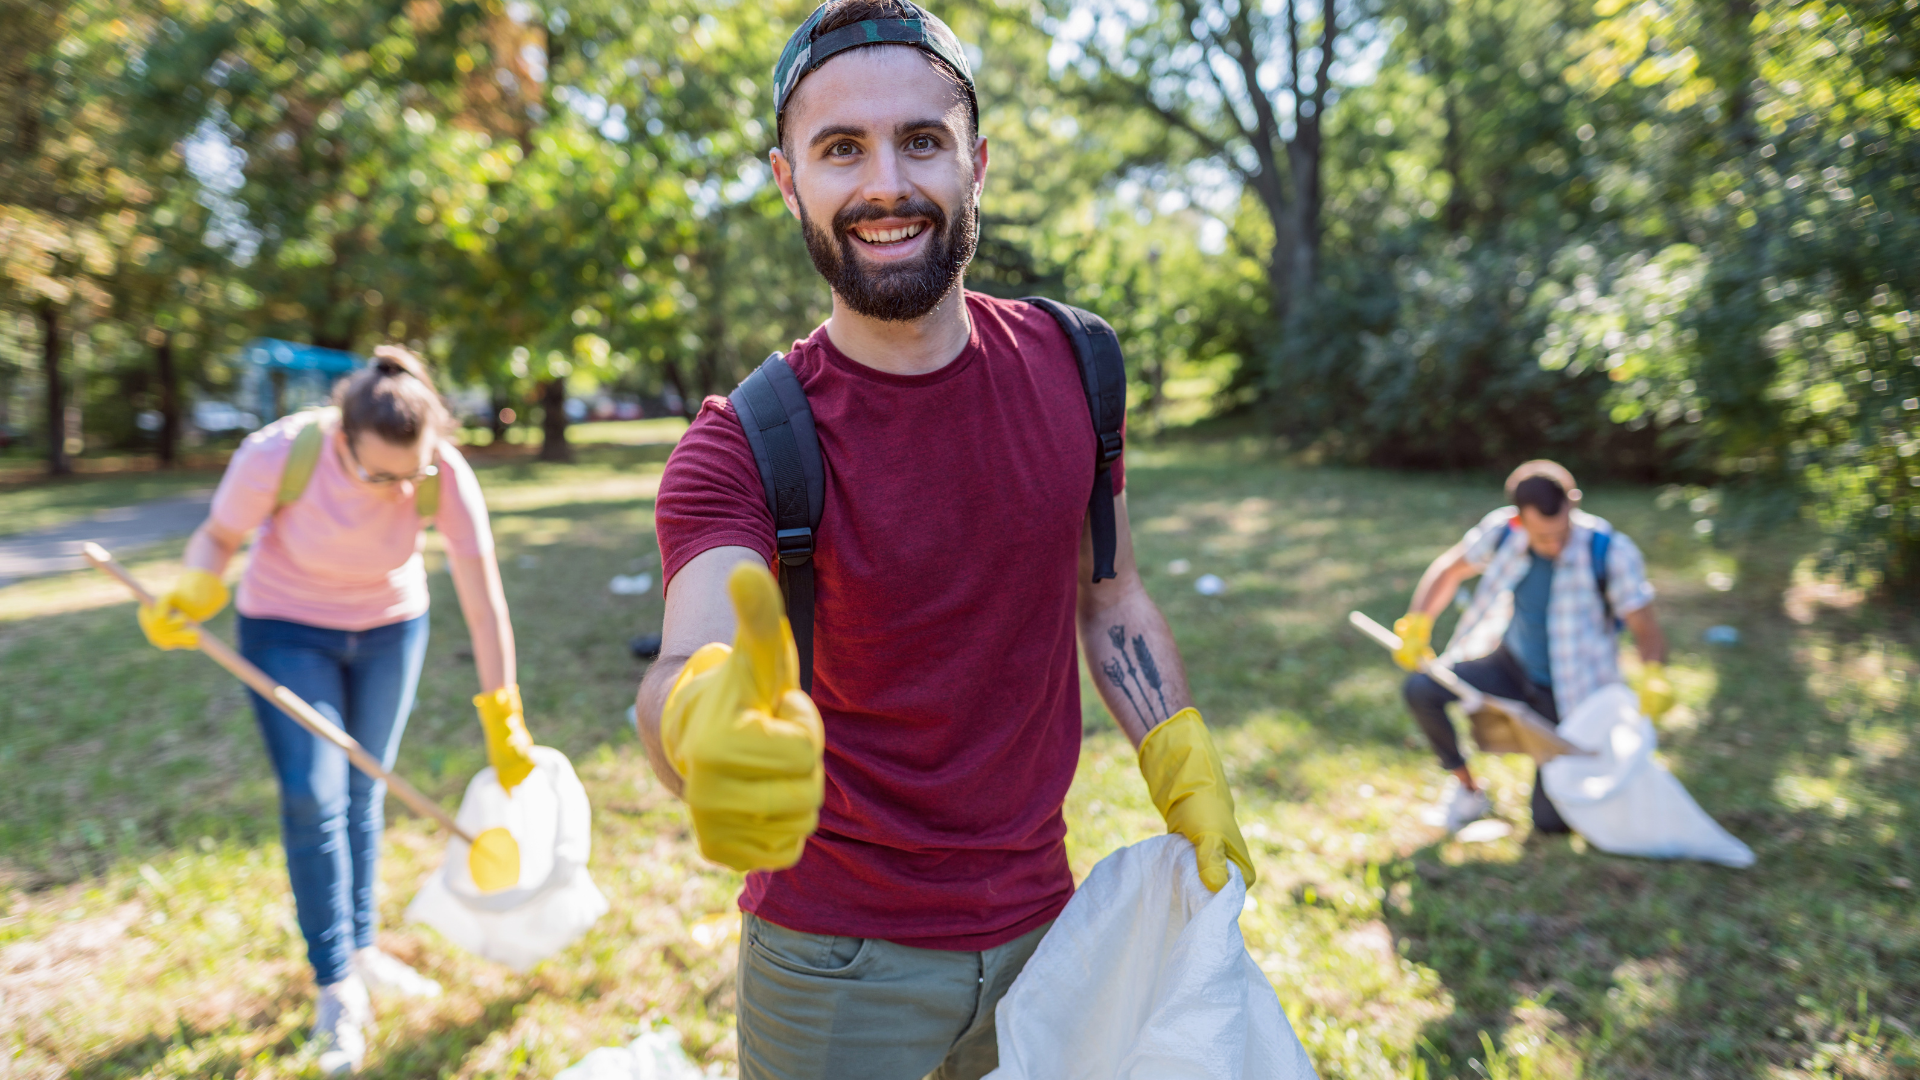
(919,347)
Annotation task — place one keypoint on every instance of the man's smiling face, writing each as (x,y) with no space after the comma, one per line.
(884,172)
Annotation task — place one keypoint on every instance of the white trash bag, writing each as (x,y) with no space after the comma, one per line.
(555,900)
(1145,977)
(1620,798)
(655,1055)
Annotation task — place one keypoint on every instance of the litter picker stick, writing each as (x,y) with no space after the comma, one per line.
(1470,698)
(303,714)
(1499,725)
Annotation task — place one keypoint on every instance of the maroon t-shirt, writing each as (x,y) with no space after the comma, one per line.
(946,570)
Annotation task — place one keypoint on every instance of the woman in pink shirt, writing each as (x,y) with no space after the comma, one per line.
(333,605)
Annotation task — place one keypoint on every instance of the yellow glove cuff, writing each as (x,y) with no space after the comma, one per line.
(1415,630)
(1656,690)
(509,745)
(198,595)
(1189,788)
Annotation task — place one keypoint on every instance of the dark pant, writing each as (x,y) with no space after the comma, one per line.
(1500,675)
(331,814)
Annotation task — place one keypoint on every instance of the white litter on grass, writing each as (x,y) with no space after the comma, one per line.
(555,900)
(1484,831)
(1623,800)
(1145,976)
(1209,585)
(1720,582)
(1179,567)
(630,584)
(653,1056)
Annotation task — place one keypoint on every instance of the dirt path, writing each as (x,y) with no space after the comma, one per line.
(123,528)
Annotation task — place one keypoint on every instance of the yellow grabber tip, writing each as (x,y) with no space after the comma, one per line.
(494,860)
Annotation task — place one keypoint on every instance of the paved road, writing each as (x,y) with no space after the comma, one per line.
(55,550)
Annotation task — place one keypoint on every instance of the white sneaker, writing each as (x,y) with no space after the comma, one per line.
(1456,807)
(341,1019)
(386,974)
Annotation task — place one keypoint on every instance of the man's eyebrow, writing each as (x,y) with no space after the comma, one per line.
(836,131)
(904,127)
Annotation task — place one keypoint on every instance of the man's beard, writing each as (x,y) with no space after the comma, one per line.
(893,292)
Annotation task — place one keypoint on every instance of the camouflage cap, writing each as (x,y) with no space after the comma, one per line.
(925,32)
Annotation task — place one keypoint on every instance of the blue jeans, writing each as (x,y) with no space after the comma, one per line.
(331,814)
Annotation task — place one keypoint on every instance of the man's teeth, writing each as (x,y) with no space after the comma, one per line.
(890,236)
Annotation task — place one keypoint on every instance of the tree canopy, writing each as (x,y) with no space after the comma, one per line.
(1666,240)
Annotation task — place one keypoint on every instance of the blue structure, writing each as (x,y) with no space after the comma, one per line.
(284,376)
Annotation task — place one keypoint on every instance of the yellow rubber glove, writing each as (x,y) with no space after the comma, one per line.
(746,740)
(1656,691)
(1190,789)
(509,745)
(1415,629)
(198,595)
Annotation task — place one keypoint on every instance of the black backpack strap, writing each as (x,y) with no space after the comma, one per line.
(1602,543)
(774,414)
(1103,375)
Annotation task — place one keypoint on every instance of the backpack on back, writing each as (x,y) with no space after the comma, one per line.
(305,457)
(773,412)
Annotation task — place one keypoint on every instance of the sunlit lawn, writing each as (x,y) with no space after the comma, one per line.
(146,928)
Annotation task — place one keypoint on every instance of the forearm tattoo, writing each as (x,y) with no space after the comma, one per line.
(1151,706)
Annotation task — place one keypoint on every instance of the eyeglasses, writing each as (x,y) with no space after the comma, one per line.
(387,478)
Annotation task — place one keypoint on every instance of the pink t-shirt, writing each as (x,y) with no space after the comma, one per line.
(345,555)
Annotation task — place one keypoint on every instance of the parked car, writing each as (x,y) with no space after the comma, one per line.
(216,417)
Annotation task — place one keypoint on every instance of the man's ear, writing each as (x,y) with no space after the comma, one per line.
(783,176)
(979,165)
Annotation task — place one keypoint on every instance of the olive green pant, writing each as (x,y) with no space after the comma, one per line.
(816,1007)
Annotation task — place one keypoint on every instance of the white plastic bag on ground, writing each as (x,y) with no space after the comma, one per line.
(1620,798)
(653,1056)
(1145,977)
(555,900)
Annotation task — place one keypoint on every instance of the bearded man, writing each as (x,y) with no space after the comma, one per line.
(901,824)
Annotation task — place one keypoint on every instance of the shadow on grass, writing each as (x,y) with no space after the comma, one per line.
(1667,968)
(431,1052)
(425,1055)
(139,1056)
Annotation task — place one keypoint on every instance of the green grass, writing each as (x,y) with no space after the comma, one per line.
(146,929)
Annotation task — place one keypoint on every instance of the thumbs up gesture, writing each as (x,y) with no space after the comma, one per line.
(746,740)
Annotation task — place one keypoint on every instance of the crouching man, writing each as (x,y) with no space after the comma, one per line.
(901,823)
(1541,629)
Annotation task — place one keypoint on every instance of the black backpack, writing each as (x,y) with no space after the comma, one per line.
(779,425)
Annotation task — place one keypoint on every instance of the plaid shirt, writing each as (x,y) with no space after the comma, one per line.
(1580,638)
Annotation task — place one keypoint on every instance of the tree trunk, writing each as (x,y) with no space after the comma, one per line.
(497,422)
(1281,215)
(169,400)
(57,463)
(1305,154)
(553,422)
(689,404)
